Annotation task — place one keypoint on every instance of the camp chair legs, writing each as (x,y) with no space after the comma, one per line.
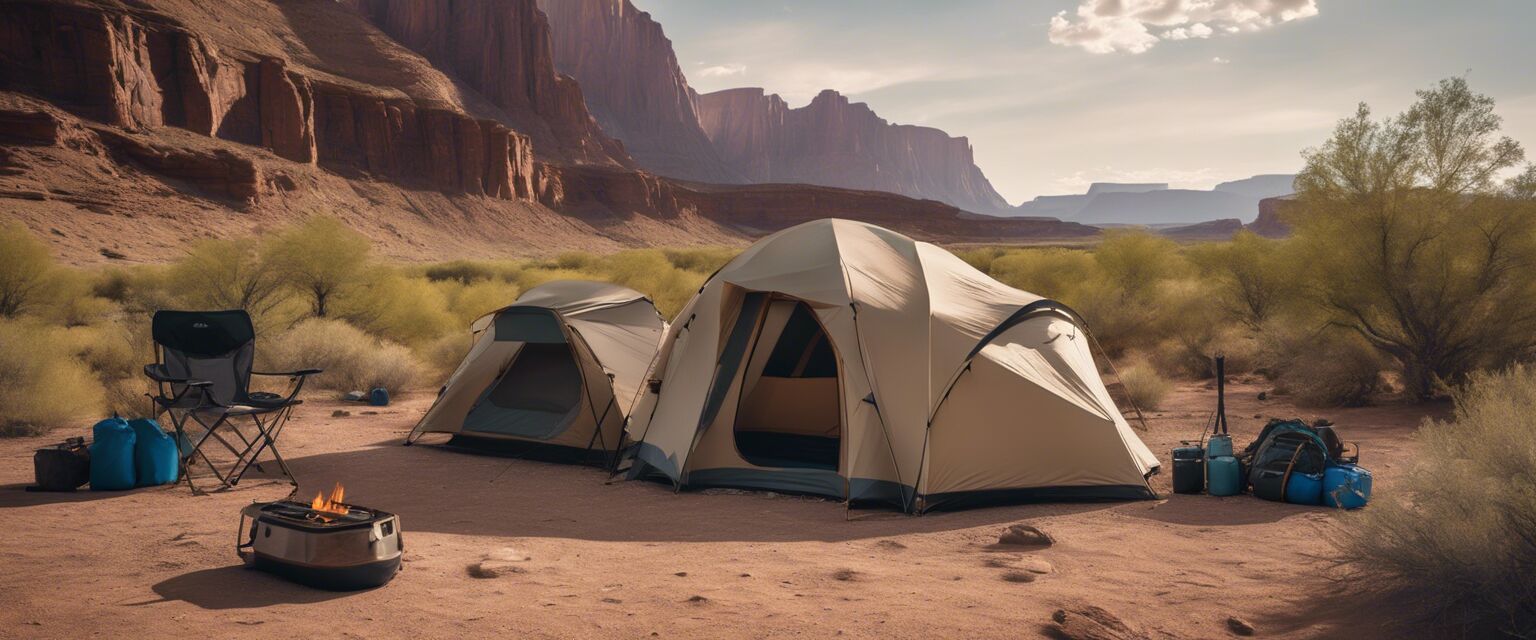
(247,448)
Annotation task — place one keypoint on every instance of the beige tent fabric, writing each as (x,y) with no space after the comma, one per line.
(904,318)
(613,334)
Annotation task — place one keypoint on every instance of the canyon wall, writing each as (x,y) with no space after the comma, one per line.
(633,86)
(834,142)
(139,73)
(502,49)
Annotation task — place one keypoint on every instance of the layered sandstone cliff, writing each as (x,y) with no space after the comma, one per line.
(834,142)
(502,49)
(141,72)
(632,83)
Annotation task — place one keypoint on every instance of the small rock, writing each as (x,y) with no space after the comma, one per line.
(613,601)
(355,396)
(1018,576)
(1258,416)
(1036,565)
(1239,626)
(845,575)
(1263,395)
(890,545)
(1087,622)
(370,413)
(1025,536)
(499,562)
(340,413)
(681,574)
(746,575)
(698,599)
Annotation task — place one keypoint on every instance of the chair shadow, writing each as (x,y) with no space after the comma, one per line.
(442,490)
(236,587)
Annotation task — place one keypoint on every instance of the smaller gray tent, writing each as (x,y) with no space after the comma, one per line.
(557,368)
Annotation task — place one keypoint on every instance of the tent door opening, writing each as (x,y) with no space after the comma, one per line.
(540,393)
(789,413)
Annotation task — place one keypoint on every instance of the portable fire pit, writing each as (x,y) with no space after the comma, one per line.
(326,543)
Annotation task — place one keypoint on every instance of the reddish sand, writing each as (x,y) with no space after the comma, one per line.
(628,559)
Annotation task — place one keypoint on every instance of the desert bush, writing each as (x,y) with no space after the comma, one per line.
(1053,273)
(228,274)
(1412,242)
(321,259)
(704,260)
(575,260)
(42,384)
(398,308)
(352,359)
(1321,367)
(25,265)
(1459,536)
(463,271)
(444,354)
(467,303)
(1253,278)
(981,257)
(116,352)
(649,272)
(1143,385)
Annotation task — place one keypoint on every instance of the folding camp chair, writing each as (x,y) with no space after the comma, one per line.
(203,374)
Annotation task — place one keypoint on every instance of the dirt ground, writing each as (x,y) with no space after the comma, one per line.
(634,559)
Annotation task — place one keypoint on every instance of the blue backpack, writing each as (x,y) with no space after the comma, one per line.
(154,454)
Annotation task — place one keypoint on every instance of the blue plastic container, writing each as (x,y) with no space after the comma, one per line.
(1222,476)
(1219,445)
(1304,488)
(378,397)
(1346,486)
(112,455)
(154,453)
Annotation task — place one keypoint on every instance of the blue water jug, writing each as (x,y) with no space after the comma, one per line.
(378,397)
(1222,476)
(1346,486)
(112,455)
(1304,488)
(1219,445)
(154,453)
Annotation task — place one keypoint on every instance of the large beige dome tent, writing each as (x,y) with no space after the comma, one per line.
(842,359)
(554,373)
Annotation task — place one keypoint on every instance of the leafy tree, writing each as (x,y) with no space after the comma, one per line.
(24,269)
(321,259)
(1414,245)
(1252,275)
(228,274)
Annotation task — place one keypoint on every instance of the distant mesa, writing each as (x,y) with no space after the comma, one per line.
(1156,204)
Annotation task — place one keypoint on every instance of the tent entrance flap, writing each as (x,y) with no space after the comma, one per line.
(538,396)
(789,412)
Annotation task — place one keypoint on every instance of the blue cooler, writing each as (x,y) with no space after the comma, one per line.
(1346,486)
(112,455)
(378,397)
(1222,476)
(1304,488)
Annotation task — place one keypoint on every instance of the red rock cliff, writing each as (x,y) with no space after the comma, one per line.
(141,72)
(836,143)
(632,83)
(502,49)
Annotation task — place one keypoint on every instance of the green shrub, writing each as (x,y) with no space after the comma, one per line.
(468,303)
(463,271)
(398,308)
(1144,387)
(444,354)
(1322,368)
(705,260)
(352,359)
(981,257)
(42,384)
(25,265)
(1458,534)
(1053,273)
(229,274)
(322,260)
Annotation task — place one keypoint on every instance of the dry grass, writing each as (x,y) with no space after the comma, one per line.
(352,359)
(1145,387)
(1461,538)
(42,383)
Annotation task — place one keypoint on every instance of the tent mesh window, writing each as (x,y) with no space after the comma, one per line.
(789,415)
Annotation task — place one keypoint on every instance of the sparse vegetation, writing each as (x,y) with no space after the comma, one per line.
(1459,536)
(1144,386)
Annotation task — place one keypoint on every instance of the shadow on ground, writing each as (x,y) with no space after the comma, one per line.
(445,491)
(236,587)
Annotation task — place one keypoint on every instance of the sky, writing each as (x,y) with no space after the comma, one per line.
(1056,94)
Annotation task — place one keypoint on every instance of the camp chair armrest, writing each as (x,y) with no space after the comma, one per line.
(158,373)
(291,374)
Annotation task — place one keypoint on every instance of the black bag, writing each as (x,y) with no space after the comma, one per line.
(1282,448)
(63,467)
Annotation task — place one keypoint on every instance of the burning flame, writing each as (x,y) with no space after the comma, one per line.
(332,505)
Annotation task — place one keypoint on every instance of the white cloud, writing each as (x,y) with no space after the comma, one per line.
(723,70)
(1135,26)
(1220,60)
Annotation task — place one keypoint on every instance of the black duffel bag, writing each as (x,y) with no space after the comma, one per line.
(63,467)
